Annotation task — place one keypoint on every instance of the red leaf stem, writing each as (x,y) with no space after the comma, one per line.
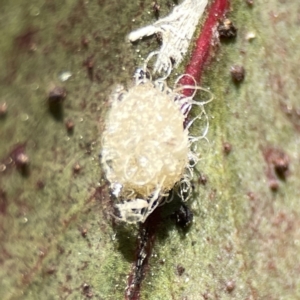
(201,52)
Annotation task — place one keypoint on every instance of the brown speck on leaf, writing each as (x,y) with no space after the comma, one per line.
(85,287)
(89,64)
(156,9)
(76,168)
(206,296)
(51,270)
(293,114)
(69,126)
(3,202)
(86,290)
(227,148)
(212,195)
(57,94)
(250,2)
(42,252)
(281,165)
(226,29)
(251,196)
(273,184)
(84,232)
(180,269)
(278,162)
(159,38)
(230,286)
(25,40)
(237,73)
(85,42)
(19,158)
(60,249)
(68,277)
(3,109)
(202,179)
(40,184)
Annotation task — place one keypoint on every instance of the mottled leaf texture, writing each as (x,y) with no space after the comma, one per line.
(59,61)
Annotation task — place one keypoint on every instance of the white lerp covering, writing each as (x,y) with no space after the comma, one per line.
(145,147)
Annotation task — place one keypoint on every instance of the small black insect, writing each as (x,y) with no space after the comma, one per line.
(183,216)
(226,29)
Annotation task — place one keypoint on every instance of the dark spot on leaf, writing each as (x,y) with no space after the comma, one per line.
(206,296)
(277,166)
(84,232)
(55,98)
(3,110)
(226,29)
(51,270)
(156,9)
(237,73)
(40,184)
(202,179)
(26,40)
(183,216)
(57,94)
(3,202)
(227,147)
(273,184)
(86,290)
(70,126)
(85,42)
(18,158)
(180,269)
(230,286)
(76,168)
(89,64)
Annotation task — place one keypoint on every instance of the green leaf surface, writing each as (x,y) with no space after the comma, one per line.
(58,240)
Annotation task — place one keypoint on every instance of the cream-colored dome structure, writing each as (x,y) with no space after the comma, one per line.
(145,148)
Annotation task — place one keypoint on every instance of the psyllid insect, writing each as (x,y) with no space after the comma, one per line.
(146,149)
